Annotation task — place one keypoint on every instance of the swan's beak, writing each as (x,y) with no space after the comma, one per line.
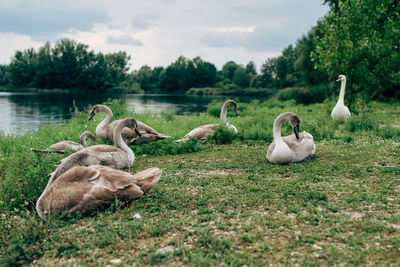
(236,111)
(137,130)
(296,131)
(338,80)
(91,115)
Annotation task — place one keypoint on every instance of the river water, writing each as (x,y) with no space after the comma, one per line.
(28,111)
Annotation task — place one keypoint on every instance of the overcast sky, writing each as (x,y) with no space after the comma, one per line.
(157,32)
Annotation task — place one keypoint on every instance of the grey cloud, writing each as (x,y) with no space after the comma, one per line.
(141,24)
(48,20)
(124,40)
(259,40)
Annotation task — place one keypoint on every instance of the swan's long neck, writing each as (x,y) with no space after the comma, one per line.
(276,130)
(224,110)
(106,121)
(342,89)
(83,137)
(119,142)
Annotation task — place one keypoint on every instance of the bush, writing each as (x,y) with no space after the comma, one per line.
(222,135)
(360,123)
(307,95)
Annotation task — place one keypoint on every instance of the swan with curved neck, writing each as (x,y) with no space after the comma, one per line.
(202,132)
(340,112)
(105,129)
(293,148)
(62,146)
(118,157)
(83,189)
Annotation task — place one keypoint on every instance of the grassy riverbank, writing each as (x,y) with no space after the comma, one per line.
(221,202)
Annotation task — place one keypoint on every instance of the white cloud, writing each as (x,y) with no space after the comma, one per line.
(157,32)
(11,42)
(124,40)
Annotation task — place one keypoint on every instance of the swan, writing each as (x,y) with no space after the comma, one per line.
(83,189)
(119,156)
(202,132)
(340,112)
(105,129)
(293,148)
(63,146)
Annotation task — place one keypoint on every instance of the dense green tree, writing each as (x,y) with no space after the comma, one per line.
(69,60)
(268,73)
(228,70)
(332,3)
(184,74)
(251,68)
(241,77)
(3,75)
(304,71)
(362,40)
(22,68)
(144,77)
(173,77)
(69,65)
(45,72)
(205,73)
(117,67)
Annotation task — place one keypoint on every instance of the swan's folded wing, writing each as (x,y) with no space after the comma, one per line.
(148,178)
(113,179)
(143,128)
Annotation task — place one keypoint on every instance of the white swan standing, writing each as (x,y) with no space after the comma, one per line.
(202,132)
(83,189)
(292,148)
(340,112)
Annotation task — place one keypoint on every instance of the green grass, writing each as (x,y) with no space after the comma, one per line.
(221,203)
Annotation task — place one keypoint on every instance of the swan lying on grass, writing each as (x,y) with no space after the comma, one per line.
(292,148)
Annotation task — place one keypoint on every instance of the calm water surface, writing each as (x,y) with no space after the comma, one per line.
(28,111)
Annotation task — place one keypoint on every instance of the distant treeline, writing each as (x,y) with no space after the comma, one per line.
(68,65)
(358,38)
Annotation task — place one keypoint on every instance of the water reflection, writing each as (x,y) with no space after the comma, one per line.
(28,111)
(25,111)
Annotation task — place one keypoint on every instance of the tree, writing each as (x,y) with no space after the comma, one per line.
(361,40)
(241,78)
(206,73)
(45,72)
(334,4)
(228,70)
(3,75)
(304,71)
(268,73)
(144,77)
(22,68)
(117,67)
(251,68)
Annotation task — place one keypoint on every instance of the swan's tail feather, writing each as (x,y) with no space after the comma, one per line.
(148,178)
(147,138)
(184,139)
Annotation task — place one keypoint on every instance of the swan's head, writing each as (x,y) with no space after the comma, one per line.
(294,121)
(341,78)
(95,110)
(232,104)
(131,123)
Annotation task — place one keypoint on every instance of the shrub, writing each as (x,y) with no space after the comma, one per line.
(307,95)
(222,135)
(360,123)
